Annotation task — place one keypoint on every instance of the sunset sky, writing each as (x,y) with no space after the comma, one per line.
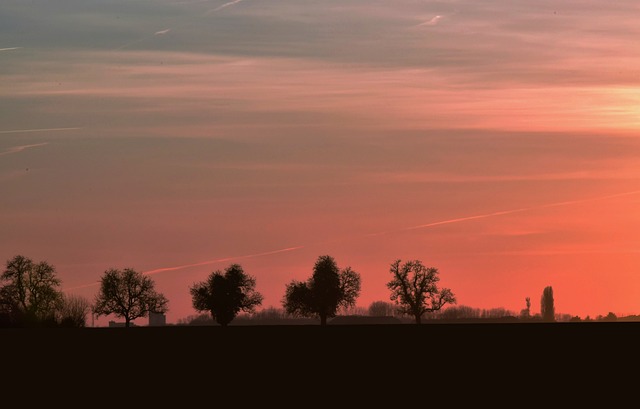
(497,141)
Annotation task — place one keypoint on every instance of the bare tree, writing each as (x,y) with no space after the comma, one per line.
(497,312)
(526,312)
(29,292)
(128,294)
(414,289)
(74,311)
(197,319)
(460,312)
(382,309)
(353,310)
(270,313)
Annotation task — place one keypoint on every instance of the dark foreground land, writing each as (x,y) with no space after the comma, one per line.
(389,359)
(451,342)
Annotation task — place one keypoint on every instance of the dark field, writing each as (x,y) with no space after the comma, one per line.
(273,343)
(392,357)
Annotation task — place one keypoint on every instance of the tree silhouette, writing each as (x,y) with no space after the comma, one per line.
(74,311)
(381,309)
(547,308)
(525,313)
(128,294)
(29,294)
(224,295)
(414,289)
(328,289)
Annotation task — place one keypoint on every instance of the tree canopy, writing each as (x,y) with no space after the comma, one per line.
(327,290)
(29,293)
(224,295)
(128,294)
(414,289)
(547,308)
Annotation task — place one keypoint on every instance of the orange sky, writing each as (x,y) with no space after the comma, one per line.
(496,141)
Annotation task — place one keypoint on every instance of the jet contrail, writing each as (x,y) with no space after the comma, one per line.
(39,130)
(457,220)
(420,226)
(220,260)
(139,40)
(202,263)
(191,1)
(431,22)
(504,212)
(220,7)
(20,148)
(10,48)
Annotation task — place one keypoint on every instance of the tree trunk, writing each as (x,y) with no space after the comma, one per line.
(127,321)
(323,319)
(418,319)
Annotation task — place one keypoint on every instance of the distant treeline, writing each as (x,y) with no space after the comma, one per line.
(30,297)
(383,312)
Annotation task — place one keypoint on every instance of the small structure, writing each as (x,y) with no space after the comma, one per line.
(157,319)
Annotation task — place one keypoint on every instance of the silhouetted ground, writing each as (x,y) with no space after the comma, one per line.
(473,341)
(389,358)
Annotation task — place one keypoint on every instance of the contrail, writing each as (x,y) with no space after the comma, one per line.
(139,40)
(10,48)
(220,260)
(202,263)
(420,226)
(20,148)
(431,22)
(504,212)
(39,130)
(220,7)
(191,1)
(458,220)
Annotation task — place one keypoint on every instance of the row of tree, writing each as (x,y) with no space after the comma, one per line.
(30,294)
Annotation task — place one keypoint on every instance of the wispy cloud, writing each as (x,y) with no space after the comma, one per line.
(165,31)
(432,21)
(16,149)
(220,7)
(10,48)
(38,130)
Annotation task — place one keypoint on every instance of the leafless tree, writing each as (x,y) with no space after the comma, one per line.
(128,294)
(414,289)
(74,311)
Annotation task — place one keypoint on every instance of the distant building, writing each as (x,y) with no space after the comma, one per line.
(157,319)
